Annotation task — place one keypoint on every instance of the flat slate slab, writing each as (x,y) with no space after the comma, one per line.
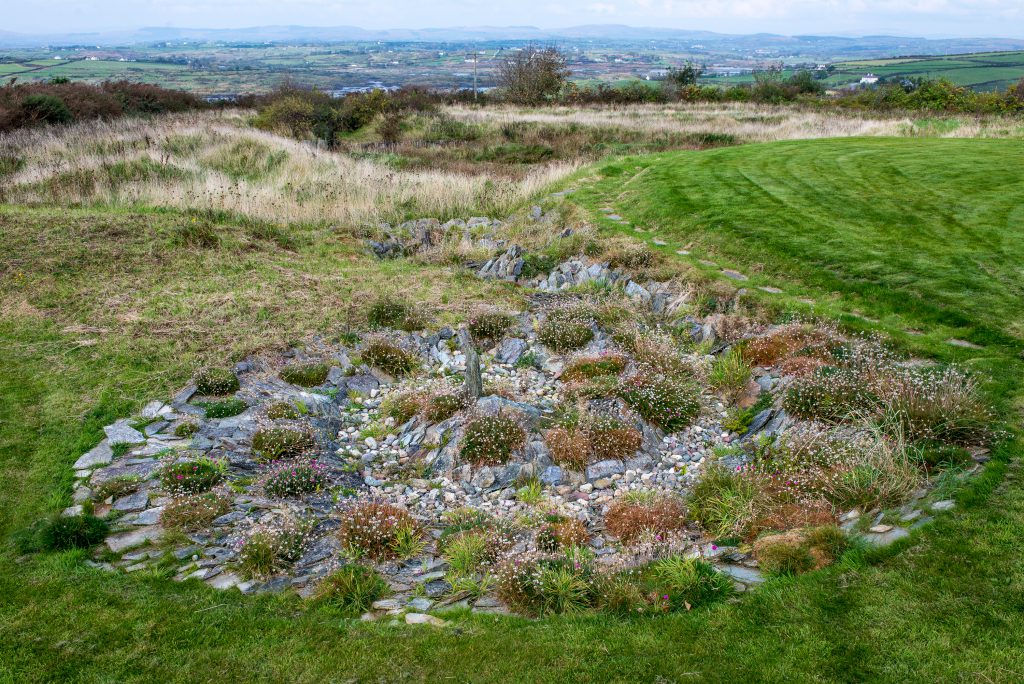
(133,538)
(101,454)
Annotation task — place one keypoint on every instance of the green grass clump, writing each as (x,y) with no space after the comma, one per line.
(722,501)
(402,407)
(116,487)
(441,407)
(590,367)
(352,589)
(546,584)
(670,403)
(490,326)
(195,512)
(271,549)
(291,480)
(216,382)
(273,443)
(306,374)
(566,329)
(72,532)
(379,531)
(282,410)
(729,373)
(390,358)
(186,428)
(224,408)
(681,584)
(389,312)
(191,477)
(490,440)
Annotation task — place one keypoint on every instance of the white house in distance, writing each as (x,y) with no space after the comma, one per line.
(869,80)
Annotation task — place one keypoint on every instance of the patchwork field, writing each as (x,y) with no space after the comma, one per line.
(134,258)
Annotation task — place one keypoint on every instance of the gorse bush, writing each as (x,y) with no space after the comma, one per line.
(377,530)
(390,358)
(291,480)
(306,374)
(63,101)
(491,440)
(191,477)
(352,589)
(669,402)
(653,519)
(272,443)
(216,381)
(72,532)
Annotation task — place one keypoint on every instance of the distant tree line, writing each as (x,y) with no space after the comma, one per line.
(532,77)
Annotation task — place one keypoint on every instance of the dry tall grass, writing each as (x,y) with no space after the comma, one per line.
(213,161)
(748,122)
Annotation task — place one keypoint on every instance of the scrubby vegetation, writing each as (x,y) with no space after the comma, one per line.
(61,102)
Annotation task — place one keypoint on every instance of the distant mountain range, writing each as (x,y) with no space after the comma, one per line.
(599,32)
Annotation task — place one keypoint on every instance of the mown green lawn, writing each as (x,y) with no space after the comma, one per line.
(100,311)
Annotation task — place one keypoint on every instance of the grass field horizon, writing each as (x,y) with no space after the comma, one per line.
(919,238)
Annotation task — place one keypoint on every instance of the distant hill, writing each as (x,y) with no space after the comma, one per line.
(825,47)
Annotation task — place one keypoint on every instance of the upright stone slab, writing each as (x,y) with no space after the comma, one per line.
(474,379)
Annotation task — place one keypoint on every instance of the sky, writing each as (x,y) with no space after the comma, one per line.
(930,18)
